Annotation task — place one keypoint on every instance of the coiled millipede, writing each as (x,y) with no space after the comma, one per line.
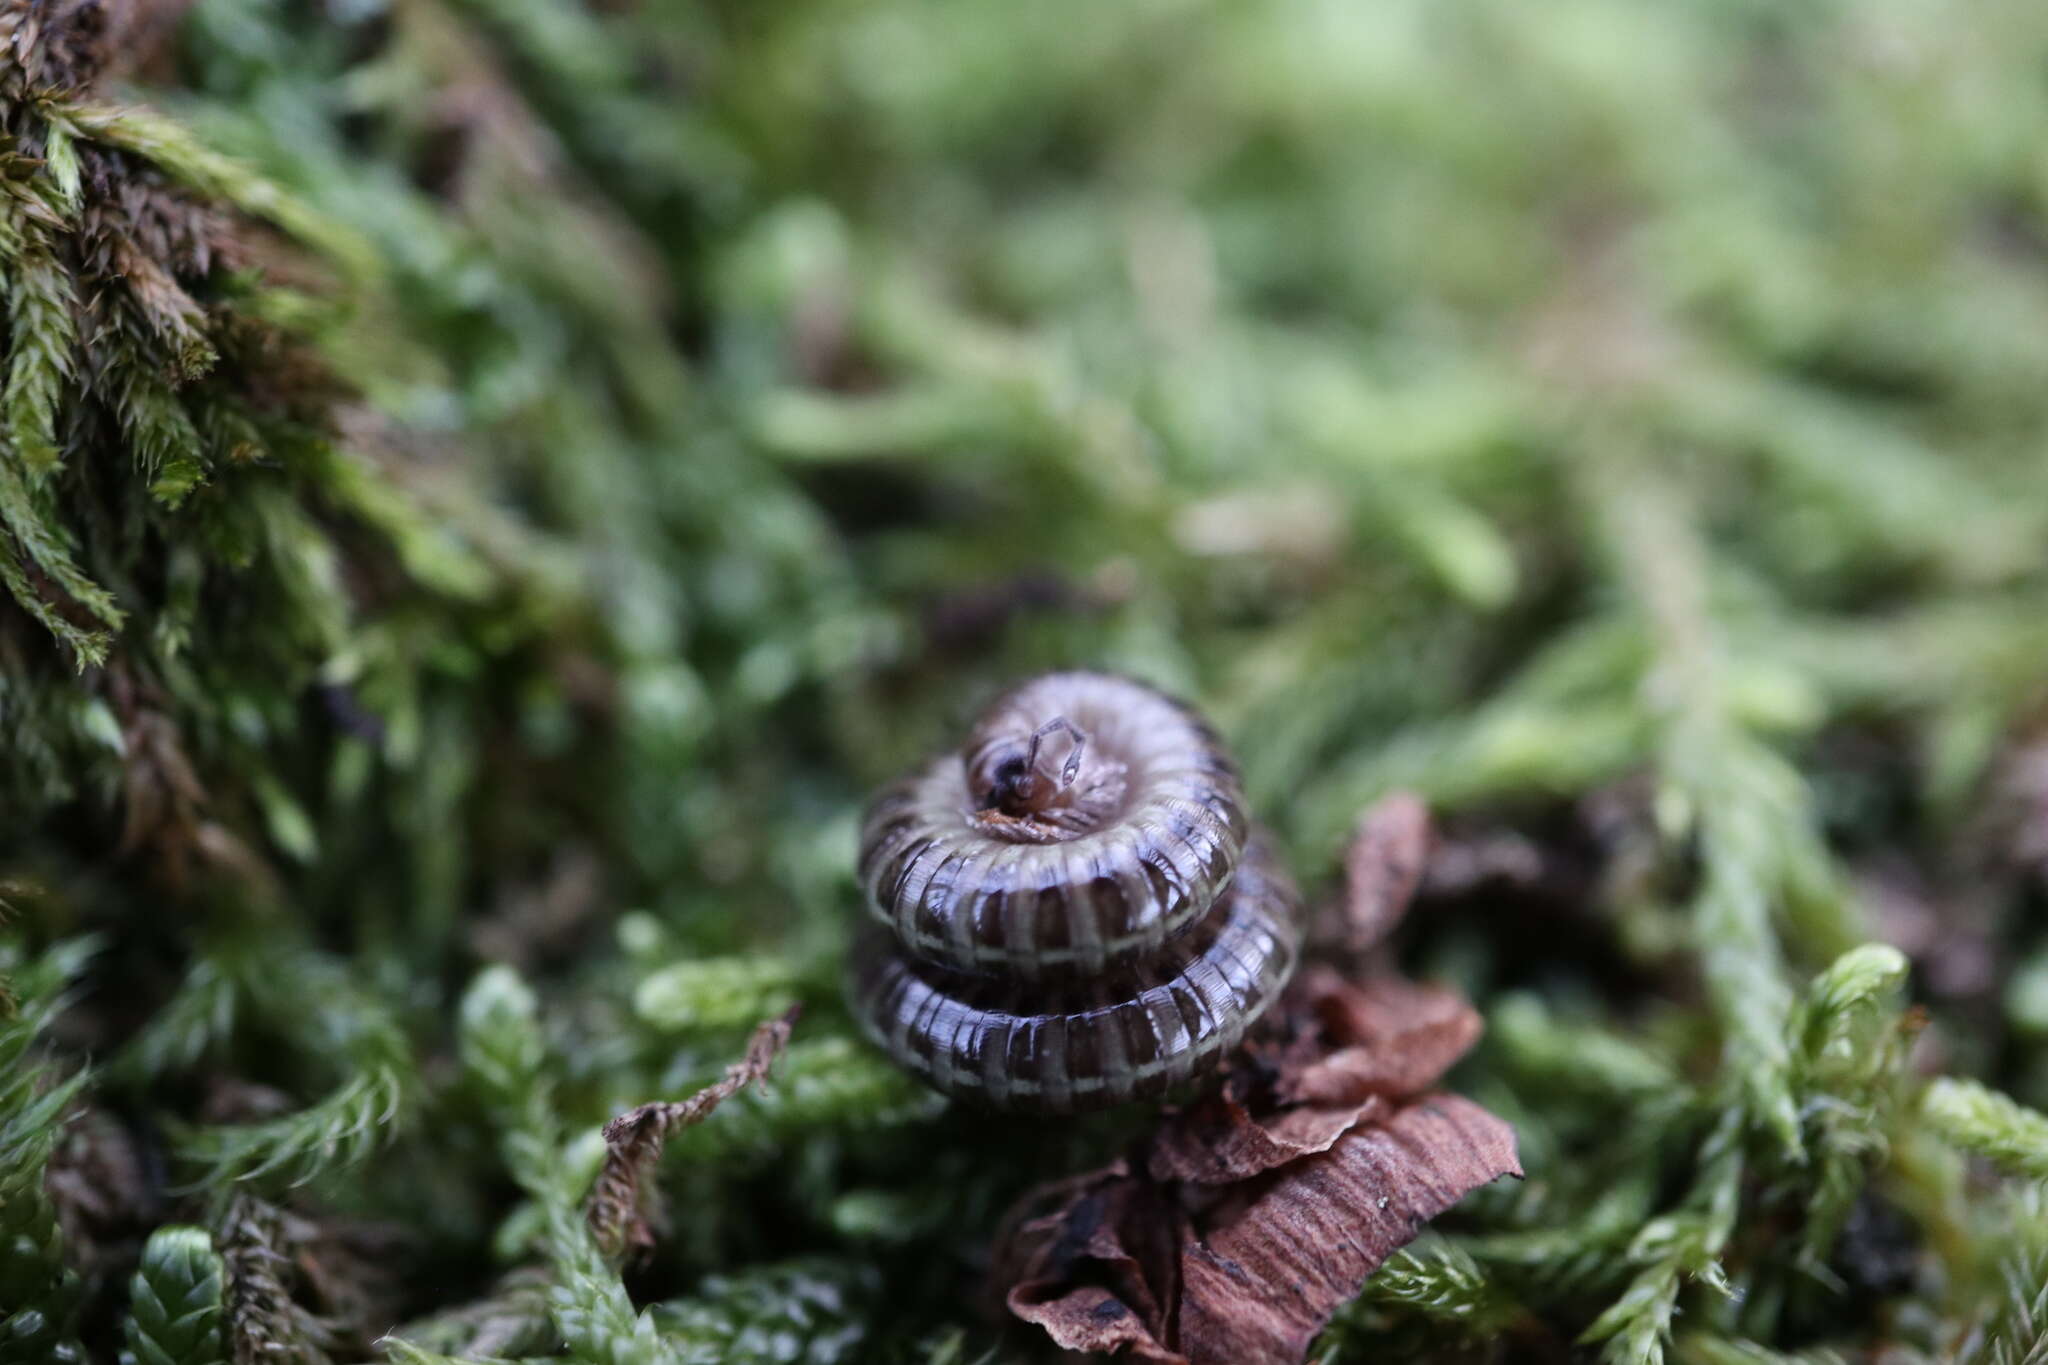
(1074,910)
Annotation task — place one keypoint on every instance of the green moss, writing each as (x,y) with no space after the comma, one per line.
(470,467)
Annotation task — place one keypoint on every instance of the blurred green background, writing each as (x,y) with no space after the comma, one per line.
(622,434)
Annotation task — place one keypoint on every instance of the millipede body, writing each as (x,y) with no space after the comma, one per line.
(1074,910)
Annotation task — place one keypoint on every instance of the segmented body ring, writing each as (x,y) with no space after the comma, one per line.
(1073,911)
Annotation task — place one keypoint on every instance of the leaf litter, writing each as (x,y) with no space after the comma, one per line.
(1230,1234)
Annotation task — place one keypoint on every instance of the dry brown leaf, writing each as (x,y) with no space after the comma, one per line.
(1259,1265)
(1382,867)
(1099,1271)
(1258,1285)
(1334,1055)
(1385,1036)
(1250,1215)
(1218,1140)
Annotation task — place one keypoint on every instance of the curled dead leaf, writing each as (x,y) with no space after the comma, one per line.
(1250,1215)
(1099,1270)
(1382,867)
(1386,1036)
(1262,1280)
(1218,1140)
(1334,1055)
(1256,1267)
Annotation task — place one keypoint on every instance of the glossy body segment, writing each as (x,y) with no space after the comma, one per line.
(1073,911)
(1138,1031)
(1125,856)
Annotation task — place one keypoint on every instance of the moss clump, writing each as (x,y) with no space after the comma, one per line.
(487,485)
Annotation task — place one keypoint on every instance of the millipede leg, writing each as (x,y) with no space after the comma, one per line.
(1072,767)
